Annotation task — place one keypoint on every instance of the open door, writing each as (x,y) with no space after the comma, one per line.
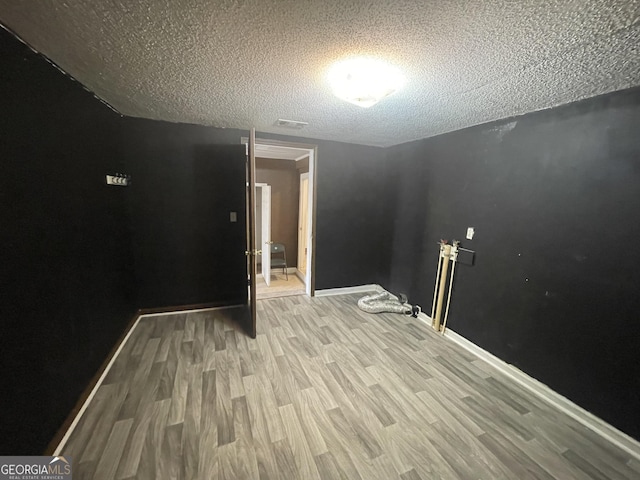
(266,233)
(251,235)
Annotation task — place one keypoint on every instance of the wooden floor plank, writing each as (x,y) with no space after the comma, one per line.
(153,457)
(133,449)
(110,459)
(302,455)
(107,419)
(228,469)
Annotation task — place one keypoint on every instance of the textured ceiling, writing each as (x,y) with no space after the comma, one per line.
(243,63)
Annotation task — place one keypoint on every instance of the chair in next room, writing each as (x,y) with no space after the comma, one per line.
(279,258)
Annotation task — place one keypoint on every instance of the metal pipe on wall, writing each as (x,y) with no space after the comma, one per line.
(447,253)
(454,259)
(435,290)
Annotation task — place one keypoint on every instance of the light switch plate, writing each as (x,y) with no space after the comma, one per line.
(470,233)
(233,217)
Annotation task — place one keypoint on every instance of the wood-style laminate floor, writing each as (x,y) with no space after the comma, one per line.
(325,391)
(280,286)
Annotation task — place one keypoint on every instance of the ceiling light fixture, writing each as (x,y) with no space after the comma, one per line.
(364,81)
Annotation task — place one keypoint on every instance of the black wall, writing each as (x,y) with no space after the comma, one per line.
(554,197)
(355,198)
(185,182)
(66,275)
(353,228)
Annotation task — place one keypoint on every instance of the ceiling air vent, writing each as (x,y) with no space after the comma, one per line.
(294,124)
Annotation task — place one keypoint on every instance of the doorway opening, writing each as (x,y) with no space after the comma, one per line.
(284,218)
(275,267)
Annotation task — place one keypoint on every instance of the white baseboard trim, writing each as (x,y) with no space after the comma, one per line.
(542,391)
(98,384)
(86,403)
(348,290)
(206,309)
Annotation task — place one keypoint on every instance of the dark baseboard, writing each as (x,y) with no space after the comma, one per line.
(55,441)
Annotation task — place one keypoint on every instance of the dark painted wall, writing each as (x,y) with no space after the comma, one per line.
(554,197)
(353,231)
(185,183)
(355,198)
(66,266)
(354,223)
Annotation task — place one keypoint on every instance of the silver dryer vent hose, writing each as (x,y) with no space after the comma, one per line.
(383,302)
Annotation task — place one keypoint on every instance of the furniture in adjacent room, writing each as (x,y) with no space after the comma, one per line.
(279,258)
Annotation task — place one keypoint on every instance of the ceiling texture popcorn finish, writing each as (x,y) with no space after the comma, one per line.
(239,64)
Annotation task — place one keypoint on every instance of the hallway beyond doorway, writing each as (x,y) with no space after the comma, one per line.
(304,156)
(280,287)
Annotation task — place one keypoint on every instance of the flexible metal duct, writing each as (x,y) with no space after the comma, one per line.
(384,302)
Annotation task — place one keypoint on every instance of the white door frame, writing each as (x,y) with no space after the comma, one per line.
(312,152)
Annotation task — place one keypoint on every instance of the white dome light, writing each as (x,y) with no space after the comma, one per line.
(364,81)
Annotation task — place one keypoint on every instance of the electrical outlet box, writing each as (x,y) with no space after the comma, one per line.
(466,257)
(470,233)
